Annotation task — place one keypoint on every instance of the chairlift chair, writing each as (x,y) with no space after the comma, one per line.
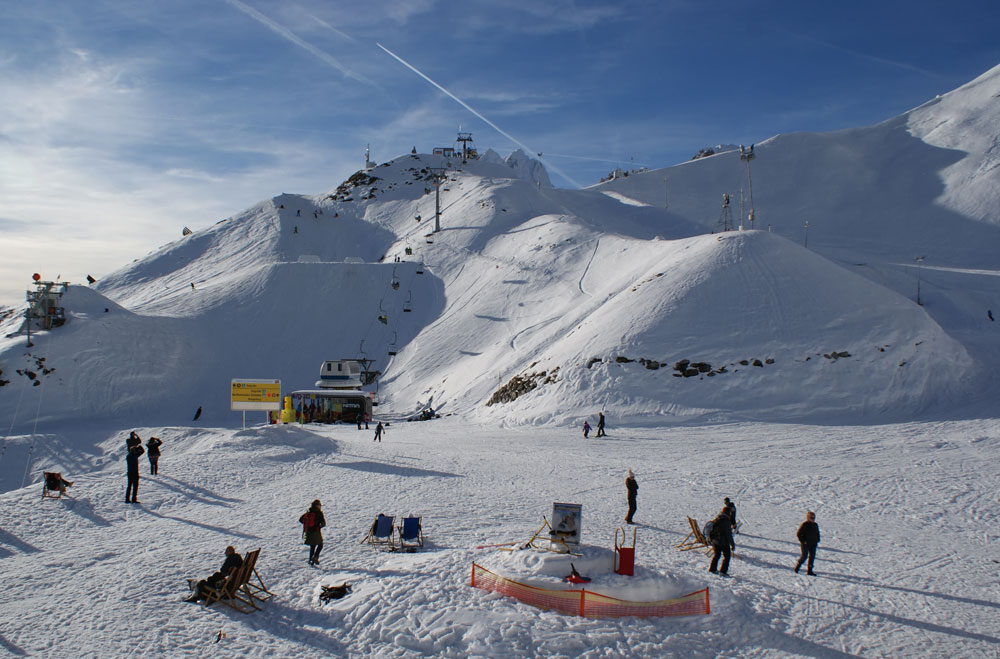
(408,306)
(392,346)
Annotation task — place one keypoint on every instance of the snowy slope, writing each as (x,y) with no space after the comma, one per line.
(908,515)
(522,278)
(875,412)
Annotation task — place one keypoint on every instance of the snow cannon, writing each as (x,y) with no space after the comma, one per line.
(288,414)
(624,556)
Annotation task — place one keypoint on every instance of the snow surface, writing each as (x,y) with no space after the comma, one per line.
(908,515)
(826,387)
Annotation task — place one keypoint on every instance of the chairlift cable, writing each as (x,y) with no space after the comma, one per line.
(34,429)
(13,419)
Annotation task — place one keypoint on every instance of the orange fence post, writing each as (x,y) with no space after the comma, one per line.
(583,601)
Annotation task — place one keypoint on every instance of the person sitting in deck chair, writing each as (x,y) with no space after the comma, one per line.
(55,481)
(233,560)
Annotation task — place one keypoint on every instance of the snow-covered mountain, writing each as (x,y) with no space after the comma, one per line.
(595,297)
(531,309)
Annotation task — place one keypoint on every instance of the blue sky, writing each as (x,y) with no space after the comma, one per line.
(123,122)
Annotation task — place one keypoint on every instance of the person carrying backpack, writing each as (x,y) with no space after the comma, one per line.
(312,521)
(808,535)
(586,429)
(721,537)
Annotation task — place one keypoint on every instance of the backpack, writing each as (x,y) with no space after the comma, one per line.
(715,532)
(309,521)
(708,529)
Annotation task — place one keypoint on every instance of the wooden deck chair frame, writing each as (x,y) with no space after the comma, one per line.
(695,539)
(413,540)
(50,493)
(258,590)
(382,532)
(234,592)
(544,541)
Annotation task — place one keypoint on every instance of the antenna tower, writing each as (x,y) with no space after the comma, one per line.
(726,215)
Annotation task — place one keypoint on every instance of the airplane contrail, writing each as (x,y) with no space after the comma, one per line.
(284,32)
(618,161)
(472,110)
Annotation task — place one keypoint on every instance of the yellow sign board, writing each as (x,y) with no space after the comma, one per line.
(255,395)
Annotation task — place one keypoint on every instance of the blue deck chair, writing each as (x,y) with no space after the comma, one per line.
(381,531)
(411,534)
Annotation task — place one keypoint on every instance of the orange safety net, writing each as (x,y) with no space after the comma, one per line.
(586,603)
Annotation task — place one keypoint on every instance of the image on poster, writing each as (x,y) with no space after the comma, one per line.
(567,520)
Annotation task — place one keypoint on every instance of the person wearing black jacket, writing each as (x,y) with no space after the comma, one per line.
(311,530)
(808,535)
(133,440)
(730,509)
(233,560)
(722,543)
(633,491)
(132,462)
(153,453)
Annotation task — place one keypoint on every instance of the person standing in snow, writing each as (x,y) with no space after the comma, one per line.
(233,561)
(586,429)
(600,424)
(632,487)
(132,463)
(730,509)
(722,543)
(312,522)
(378,433)
(153,453)
(808,535)
(133,440)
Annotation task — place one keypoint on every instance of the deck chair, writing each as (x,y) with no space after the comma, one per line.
(695,539)
(254,584)
(52,485)
(233,591)
(411,534)
(381,532)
